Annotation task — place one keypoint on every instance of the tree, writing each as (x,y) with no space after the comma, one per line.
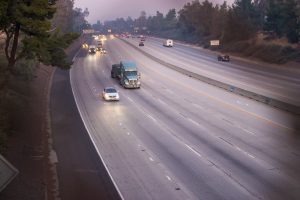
(79,21)
(32,19)
(206,13)
(242,22)
(62,19)
(129,22)
(141,21)
(29,22)
(188,16)
(283,19)
(156,23)
(219,19)
(170,20)
(274,21)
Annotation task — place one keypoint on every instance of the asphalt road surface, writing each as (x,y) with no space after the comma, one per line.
(179,138)
(80,171)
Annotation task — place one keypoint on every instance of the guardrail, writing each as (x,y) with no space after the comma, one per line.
(231,88)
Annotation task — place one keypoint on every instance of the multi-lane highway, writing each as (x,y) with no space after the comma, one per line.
(275,82)
(180,138)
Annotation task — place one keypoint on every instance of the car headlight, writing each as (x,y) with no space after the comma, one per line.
(126,82)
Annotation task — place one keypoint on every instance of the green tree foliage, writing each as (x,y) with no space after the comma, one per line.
(63,17)
(242,21)
(219,21)
(78,20)
(141,21)
(188,16)
(156,23)
(27,26)
(170,21)
(283,18)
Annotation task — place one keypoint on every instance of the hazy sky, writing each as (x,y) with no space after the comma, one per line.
(110,9)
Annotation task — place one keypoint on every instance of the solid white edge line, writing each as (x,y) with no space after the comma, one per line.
(86,127)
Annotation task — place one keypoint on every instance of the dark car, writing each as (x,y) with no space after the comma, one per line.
(103,51)
(99,47)
(141,44)
(92,49)
(224,58)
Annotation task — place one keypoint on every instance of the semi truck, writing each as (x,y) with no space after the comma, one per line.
(127,73)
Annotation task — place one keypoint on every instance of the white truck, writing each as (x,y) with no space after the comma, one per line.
(168,43)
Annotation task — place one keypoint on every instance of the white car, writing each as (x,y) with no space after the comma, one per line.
(110,94)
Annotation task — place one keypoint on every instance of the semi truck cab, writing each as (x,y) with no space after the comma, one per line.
(127,73)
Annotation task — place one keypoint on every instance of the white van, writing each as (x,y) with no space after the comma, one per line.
(168,43)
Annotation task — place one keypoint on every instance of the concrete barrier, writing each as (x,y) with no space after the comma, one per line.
(231,88)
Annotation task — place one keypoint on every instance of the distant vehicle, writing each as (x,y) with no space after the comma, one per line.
(92,49)
(143,39)
(141,44)
(102,38)
(127,74)
(85,45)
(116,71)
(99,47)
(224,58)
(168,43)
(103,51)
(110,94)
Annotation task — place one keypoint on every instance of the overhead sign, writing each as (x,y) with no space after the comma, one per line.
(88,31)
(7,173)
(214,42)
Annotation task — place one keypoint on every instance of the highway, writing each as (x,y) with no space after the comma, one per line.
(180,138)
(277,83)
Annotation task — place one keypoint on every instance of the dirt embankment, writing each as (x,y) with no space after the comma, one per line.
(29,147)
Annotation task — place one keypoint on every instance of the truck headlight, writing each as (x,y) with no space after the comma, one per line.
(126,82)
